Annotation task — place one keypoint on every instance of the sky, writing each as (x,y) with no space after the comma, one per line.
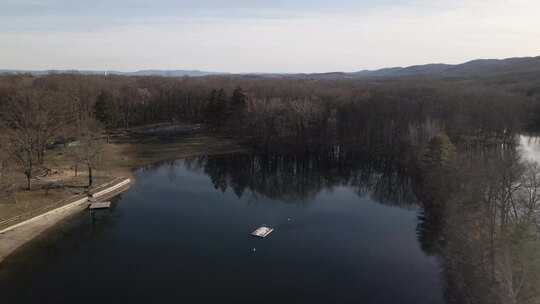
(244,36)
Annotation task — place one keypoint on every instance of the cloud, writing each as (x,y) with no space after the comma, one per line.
(260,38)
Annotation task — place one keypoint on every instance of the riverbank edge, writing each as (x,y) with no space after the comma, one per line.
(124,157)
(17,235)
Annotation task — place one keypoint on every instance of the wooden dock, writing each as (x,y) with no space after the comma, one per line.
(100,205)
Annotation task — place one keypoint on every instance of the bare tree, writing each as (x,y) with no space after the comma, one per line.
(31,119)
(4,159)
(527,205)
(19,119)
(88,150)
(52,116)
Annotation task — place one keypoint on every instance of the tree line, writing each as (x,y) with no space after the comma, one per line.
(450,144)
(393,118)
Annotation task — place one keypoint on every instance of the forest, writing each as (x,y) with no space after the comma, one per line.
(448,145)
(393,118)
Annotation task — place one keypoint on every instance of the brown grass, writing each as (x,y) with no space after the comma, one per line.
(124,154)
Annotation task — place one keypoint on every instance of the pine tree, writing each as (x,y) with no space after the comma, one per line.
(101,108)
(236,111)
(215,111)
(439,152)
(238,100)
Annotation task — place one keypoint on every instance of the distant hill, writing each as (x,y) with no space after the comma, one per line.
(471,69)
(475,68)
(171,73)
(164,73)
(417,70)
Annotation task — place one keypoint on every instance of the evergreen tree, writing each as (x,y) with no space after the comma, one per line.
(236,111)
(106,111)
(215,111)
(102,109)
(439,152)
(238,100)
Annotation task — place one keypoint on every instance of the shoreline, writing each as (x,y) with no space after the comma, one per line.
(17,235)
(122,158)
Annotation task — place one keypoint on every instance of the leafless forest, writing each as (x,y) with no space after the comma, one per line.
(291,115)
(453,141)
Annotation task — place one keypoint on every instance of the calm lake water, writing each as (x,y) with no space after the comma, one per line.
(181,234)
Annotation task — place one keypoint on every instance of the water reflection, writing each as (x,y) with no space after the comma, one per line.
(484,227)
(181,234)
(479,216)
(296,180)
(476,224)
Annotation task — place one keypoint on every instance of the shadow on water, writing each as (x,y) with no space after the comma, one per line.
(61,242)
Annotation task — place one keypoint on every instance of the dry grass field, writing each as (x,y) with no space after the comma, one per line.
(125,152)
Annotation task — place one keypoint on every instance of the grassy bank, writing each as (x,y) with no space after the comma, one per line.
(125,152)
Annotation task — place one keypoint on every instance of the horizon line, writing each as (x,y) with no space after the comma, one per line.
(14,70)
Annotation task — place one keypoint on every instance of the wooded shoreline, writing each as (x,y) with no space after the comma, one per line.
(123,158)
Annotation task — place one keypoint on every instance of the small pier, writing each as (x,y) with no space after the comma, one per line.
(99,206)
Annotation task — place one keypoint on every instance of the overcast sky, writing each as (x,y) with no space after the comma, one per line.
(262,35)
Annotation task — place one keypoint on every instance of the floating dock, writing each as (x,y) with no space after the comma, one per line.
(100,205)
(262,232)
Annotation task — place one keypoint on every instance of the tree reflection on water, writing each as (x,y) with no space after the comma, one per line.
(478,212)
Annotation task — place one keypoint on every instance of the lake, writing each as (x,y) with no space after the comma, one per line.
(349,228)
(182,234)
